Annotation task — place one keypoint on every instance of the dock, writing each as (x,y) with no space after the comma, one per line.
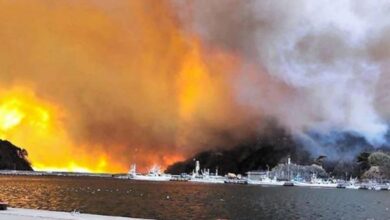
(33,214)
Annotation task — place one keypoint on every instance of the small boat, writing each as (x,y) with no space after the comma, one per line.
(154,174)
(381,187)
(204,176)
(207,179)
(321,184)
(266,182)
(180,178)
(364,186)
(236,181)
(341,186)
(352,186)
(288,183)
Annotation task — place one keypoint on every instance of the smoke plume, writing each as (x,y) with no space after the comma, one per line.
(316,66)
(99,85)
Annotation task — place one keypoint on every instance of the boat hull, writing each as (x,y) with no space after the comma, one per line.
(151,178)
(206,181)
(319,185)
(266,183)
(147,178)
(236,182)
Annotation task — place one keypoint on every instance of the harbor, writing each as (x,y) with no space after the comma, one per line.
(261,178)
(204,176)
(282,175)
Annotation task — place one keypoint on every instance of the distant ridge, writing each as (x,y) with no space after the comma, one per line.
(13,157)
(258,153)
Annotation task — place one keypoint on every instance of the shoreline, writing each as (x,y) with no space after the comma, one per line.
(33,214)
(54,173)
(339,185)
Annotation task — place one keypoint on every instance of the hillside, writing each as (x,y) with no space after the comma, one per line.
(12,157)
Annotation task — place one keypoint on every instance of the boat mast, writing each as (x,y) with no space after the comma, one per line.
(288,168)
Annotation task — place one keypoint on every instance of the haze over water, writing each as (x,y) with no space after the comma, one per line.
(172,200)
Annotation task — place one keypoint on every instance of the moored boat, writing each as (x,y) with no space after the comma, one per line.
(364,186)
(288,183)
(180,178)
(352,186)
(316,182)
(266,182)
(381,187)
(154,174)
(236,181)
(341,185)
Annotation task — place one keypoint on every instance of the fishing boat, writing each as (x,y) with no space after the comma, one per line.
(288,183)
(236,181)
(207,179)
(381,187)
(341,186)
(364,186)
(351,184)
(154,174)
(316,182)
(204,176)
(266,181)
(180,178)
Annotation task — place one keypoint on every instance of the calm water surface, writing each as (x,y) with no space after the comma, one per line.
(173,200)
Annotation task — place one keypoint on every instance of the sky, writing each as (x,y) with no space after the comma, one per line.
(98,85)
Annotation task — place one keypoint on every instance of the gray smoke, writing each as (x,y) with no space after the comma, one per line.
(316,66)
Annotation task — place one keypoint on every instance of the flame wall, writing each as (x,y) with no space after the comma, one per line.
(97,85)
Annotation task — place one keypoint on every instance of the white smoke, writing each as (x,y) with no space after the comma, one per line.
(318,64)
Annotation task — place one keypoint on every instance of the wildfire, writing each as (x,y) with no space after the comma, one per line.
(194,83)
(37,125)
(18,108)
(10,115)
(97,80)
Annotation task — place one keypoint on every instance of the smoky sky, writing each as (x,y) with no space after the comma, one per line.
(316,66)
(137,78)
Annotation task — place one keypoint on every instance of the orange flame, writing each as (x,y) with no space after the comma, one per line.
(37,125)
(95,80)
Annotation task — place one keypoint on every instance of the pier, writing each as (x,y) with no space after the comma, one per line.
(33,214)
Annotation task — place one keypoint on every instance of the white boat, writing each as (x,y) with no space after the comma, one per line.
(236,181)
(320,184)
(154,174)
(351,184)
(207,179)
(381,187)
(266,182)
(316,182)
(204,176)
